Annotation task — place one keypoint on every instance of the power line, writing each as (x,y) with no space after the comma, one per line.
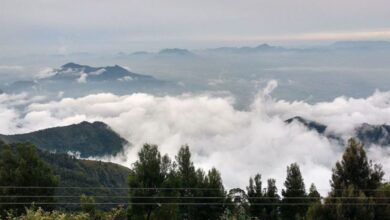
(175,197)
(177,203)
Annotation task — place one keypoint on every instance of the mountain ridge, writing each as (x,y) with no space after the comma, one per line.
(368,134)
(87,139)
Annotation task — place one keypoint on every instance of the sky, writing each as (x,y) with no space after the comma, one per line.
(102,26)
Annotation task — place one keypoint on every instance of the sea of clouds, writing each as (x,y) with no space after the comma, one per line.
(240,143)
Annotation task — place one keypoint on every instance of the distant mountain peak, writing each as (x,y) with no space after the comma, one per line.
(311,125)
(72,65)
(174,51)
(264,46)
(361,44)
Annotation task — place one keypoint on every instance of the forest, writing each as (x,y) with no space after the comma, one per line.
(160,187)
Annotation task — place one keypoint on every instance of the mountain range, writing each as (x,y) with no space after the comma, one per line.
(76,80)
(368,134)
(75,72)
(87,139)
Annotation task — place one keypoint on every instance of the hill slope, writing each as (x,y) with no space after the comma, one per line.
(107,182)
(89,139)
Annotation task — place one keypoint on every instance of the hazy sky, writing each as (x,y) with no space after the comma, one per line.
(65,26)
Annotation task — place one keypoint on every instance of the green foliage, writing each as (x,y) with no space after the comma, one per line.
(382,199)
(145,181)
(90,139)
(20,167)
(154,178)
(314,195)
(355,183)
(356,170)
(40,214)
(272,197)
(88,205)
(255,194)
(93,178)
(294,193)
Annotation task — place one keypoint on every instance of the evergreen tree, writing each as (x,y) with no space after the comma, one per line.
(314,195)
(145,181)
(255,194)
(216,194)
(294,196)
(189,180)
(272,197)
(355,182)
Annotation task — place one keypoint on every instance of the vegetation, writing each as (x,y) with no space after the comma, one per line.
(21,171)
(162,188)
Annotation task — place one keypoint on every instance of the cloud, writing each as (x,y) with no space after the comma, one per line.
(45,73)
(82,78)
(239,143)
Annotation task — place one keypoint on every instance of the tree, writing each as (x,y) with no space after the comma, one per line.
(272,197)
(355,169)
(355,182)
(382,199)
(28,176)
(294,196)
(255,194)
(88,205)
(314,195)
(237,200)
(215,191)
(189,180)
(145,181)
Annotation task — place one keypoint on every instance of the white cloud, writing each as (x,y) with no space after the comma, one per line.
(82,78)
(46,73)
(239,143)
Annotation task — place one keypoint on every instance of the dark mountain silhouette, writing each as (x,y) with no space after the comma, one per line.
(366,133)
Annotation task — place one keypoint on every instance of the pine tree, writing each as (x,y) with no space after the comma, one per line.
(294,196)
(255,194)
(272,197)
(145,180)
(314,195)
(355,182)
(189,180)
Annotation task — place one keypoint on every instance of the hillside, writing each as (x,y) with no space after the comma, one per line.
(88,139)
(87,177)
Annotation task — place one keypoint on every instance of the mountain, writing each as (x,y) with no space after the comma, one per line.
(175,51)
(366,133)
(311,125)
(361,45)
(257,49)
(73,71)
(374,134)
(88,139)
(75,80)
